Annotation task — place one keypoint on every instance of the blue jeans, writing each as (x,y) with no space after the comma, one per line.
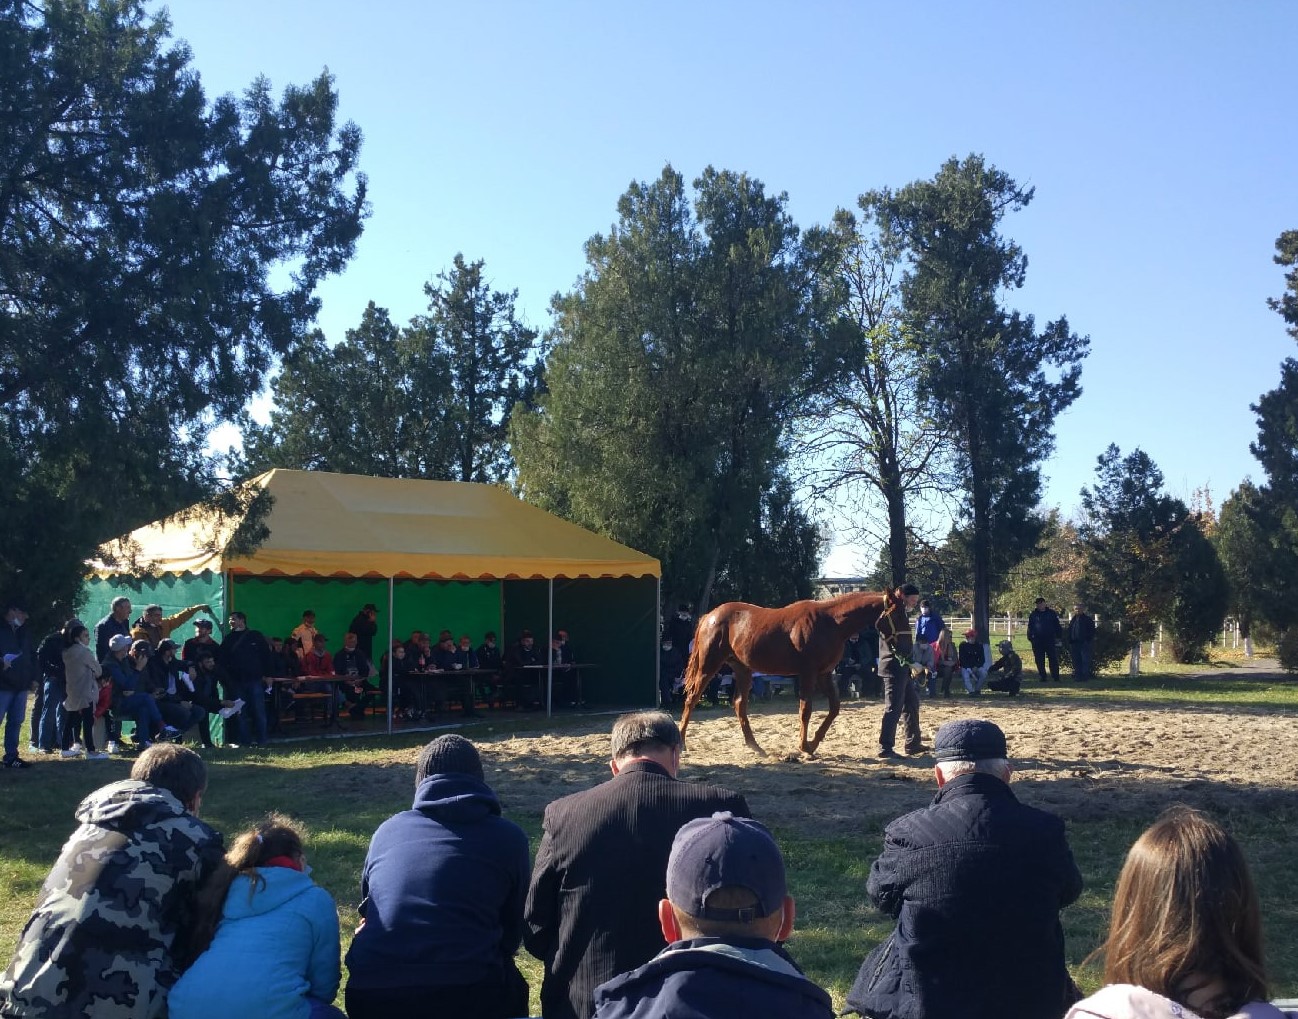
(142,709)
(1082,659)
(253,694)
(49,727)
(13,709)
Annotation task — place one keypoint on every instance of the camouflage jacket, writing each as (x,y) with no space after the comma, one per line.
(101,942)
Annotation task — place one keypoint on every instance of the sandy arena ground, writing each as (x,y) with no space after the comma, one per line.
(1080,762)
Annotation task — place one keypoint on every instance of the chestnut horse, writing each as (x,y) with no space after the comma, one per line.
(804,639)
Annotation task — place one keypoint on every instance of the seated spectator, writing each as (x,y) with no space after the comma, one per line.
(1185,937)
(490,687)
(107,936)
(207,680)
(425,657)
(414,643)
(266,936)
(81,672)
(444,653)
(201,642)
(566,656)
(851,668)
(396,664)
(284,659)
(972,662)
(464,656)
(976,882)
(567,680)
(442,895)
(151,625)
(1007,670)
(725,918)
(318,661)
(172,692)
(945,659)
(489,653)
(355,665)
(129,699)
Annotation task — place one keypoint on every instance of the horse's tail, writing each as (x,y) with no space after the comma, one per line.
(694,668)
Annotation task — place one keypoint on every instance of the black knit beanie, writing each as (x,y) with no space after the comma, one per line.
(449,754)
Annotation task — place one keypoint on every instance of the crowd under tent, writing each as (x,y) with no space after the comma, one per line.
(430,555)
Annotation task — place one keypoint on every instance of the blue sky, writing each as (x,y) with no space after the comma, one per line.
(1159,136)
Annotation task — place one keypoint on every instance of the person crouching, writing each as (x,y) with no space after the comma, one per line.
(725,917)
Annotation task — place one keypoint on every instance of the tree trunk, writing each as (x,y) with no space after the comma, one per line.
(982,533)
(895,498)
(705,596)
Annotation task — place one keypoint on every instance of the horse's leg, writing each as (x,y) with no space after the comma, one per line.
(806,700)
(829,717)
(743,687)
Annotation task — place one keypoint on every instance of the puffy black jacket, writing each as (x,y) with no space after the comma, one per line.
(976,881)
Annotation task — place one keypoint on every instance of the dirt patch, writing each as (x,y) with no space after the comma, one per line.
(1081,762)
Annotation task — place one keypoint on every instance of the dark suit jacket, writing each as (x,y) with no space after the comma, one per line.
(592,908)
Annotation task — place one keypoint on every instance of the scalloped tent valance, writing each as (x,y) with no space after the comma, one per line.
(346,525)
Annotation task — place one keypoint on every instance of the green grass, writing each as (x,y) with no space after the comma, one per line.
(343,790)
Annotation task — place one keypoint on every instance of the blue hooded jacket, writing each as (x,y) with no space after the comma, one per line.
(442,891)
(277,943)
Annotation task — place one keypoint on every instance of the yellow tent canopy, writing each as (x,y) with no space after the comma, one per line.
(346,525)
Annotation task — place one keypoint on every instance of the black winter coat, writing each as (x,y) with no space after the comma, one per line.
(976,882)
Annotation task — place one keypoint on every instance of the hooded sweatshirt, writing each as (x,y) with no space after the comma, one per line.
(276,945)
(1126,1001)
(441,892)
(707,977)
(101,941)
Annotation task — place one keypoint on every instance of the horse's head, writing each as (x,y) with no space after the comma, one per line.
(893,625)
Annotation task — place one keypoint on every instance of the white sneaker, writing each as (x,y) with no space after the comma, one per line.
(111,747)
(96,755)
(77,747)
(232,710)
(71,752)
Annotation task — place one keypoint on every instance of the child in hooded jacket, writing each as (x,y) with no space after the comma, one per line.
(271,935)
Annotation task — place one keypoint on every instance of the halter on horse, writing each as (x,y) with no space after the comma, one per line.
(804,639)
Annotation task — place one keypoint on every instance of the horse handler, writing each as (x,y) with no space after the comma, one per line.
(900,697)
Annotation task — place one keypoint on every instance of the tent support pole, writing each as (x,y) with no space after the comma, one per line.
(391,625)
(657,659)
(549,659)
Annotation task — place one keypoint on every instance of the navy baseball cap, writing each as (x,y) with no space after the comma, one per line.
(969,739)
(724,851)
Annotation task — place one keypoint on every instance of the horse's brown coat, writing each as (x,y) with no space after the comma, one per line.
(804,639)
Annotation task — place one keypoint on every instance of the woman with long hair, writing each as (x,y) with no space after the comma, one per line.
(1185,938)
(265,937)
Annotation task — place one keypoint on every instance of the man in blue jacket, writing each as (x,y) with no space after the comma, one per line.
(442,901)
(725,918)
(976,881)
